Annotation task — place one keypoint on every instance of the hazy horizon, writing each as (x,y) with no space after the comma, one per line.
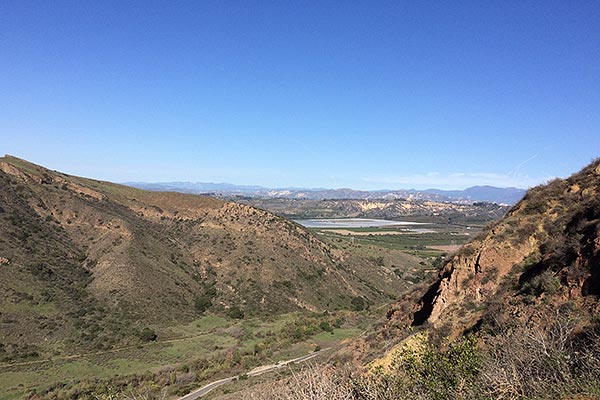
(313,188)
(331,95)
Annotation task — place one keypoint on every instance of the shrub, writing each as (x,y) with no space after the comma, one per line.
(545,282)
(148,335)
(527,363)
(542,363)
(358,303)
(324,325)
(380,261)
(202,303)
(431,372)
(236,313)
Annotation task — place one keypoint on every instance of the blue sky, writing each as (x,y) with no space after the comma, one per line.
(366,95)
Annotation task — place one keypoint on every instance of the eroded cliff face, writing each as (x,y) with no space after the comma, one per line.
(545,252)
(475,278)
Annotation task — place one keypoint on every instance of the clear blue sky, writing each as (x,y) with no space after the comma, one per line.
(363,94)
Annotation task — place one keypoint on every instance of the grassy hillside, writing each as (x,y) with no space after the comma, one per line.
(87,265)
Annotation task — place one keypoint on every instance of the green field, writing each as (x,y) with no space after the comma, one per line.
(210,342)
(418,244)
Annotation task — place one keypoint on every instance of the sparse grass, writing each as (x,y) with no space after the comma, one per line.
(337,335)
(212,335)
(204,324)
(530,363)
(11,396)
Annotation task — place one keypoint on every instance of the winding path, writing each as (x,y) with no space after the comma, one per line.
(255,372)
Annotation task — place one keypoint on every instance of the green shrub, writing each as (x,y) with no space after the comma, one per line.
(546,282)
(324,325)
(358,303)
(148,335)
(440,372)
(379,261)
(202,303)
(236,313)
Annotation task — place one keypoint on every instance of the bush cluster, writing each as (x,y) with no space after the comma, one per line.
(527,363)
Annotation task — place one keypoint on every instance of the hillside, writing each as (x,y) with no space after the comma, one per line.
(512,315)
(88,264)
(543,256)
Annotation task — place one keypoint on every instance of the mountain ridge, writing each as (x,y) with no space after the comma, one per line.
(509,195)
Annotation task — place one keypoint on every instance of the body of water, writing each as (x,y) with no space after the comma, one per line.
(352,223)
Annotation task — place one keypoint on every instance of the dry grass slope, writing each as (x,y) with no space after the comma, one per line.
(89,264)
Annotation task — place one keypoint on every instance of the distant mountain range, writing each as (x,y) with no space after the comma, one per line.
(473,194)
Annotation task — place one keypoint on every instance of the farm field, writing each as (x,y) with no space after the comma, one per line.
(425,240)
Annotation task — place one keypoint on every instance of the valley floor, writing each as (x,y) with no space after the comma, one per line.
(244,343)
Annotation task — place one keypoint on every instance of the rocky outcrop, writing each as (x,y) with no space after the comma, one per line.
(43,176)
(547,249)
(12,170)
(475,278)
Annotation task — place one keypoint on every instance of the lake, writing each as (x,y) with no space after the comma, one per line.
(352,223)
